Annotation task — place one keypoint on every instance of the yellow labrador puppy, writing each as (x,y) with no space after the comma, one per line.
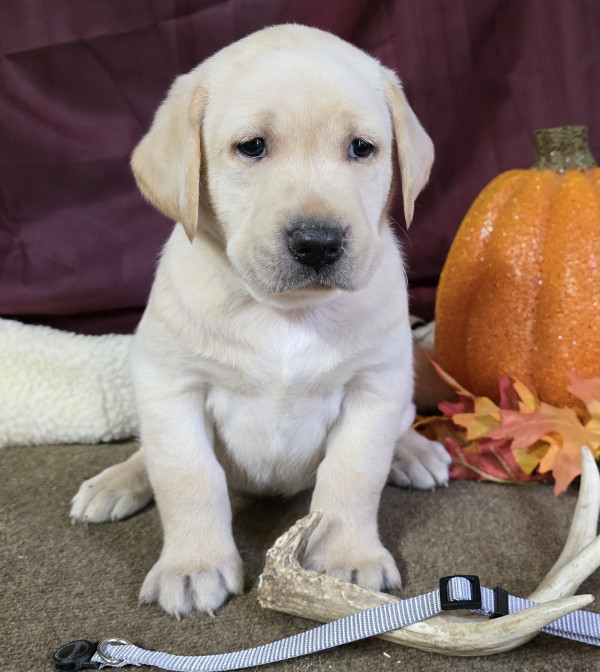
(275,352)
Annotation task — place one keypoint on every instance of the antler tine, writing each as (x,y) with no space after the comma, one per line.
(464,636)
(581,553)
(286,586)
(571,575)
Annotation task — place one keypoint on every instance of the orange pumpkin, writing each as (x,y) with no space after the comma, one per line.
(519,294)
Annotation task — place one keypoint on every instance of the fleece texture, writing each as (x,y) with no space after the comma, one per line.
(59,387)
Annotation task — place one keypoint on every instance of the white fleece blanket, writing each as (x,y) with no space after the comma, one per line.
(59,387)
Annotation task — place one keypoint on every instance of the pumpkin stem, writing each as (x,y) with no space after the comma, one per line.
(562,148)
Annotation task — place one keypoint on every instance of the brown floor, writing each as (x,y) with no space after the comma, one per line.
(60,582)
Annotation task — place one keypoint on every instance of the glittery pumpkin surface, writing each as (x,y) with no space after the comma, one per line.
(520,291)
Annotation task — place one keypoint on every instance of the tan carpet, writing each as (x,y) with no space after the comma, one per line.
(60,582)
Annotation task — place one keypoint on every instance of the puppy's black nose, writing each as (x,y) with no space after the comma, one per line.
(315,244)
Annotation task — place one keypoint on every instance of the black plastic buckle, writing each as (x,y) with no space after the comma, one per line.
(76,656)
(500,602)
(449,605)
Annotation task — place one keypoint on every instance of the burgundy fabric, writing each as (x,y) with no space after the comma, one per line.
(79,83)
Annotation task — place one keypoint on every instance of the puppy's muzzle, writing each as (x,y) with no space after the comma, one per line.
(315,244)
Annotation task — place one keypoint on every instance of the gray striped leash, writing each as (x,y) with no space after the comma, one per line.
(455,592)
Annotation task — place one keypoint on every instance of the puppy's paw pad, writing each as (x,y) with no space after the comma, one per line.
(419,463)
(179,591)
(114,494)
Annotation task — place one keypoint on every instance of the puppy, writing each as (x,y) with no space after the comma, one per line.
(275,351)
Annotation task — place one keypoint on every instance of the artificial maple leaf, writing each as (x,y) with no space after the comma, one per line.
(548,458)
(525,429)
(588,390)
(481,420)
(486,460)
(465,398)
(509,397)
(464,404)
(516,396)
(522,439)
(529,458)
(528,399)
(505,455)
(447,378)
(468,462)
(439,428)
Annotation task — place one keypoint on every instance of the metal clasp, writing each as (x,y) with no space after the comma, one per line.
(111,641)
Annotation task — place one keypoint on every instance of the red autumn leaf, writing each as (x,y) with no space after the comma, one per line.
(509,397)
(459,470)
(486,460)
(464,404)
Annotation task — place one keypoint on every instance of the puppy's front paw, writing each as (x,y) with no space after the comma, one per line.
(179,589)
(349,557)
(115,493)
(419,462)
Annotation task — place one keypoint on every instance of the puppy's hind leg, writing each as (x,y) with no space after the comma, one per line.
(115,493)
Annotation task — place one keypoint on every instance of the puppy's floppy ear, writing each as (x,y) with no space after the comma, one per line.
(414,146)
(166,162)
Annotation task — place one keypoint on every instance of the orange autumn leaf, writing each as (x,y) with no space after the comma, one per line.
(547,460)
(588,390)
(522,439)
(525,429)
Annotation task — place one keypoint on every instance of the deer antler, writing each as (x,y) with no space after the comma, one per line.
(286,586)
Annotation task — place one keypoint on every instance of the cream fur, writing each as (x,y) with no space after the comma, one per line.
(247,374)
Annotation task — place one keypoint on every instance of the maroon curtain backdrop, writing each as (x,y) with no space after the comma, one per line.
(79,82)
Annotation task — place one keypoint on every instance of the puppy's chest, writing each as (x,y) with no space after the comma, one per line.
(272,417)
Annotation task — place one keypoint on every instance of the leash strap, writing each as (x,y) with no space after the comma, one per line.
(455,592)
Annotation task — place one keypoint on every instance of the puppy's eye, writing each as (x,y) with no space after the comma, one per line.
(360,149)
(254,148)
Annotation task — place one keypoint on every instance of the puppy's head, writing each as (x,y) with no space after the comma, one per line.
(284,142)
